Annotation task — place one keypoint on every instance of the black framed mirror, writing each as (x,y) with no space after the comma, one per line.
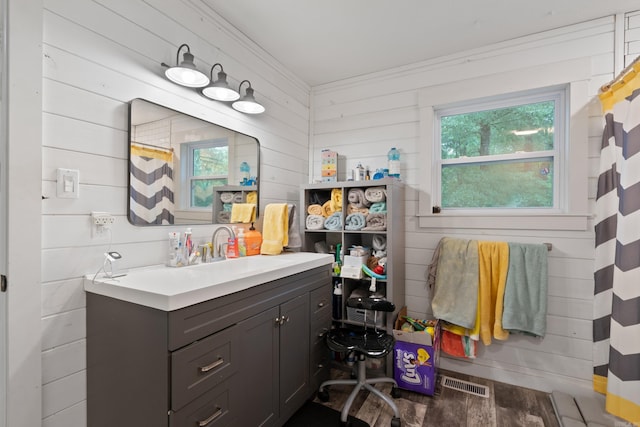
(185,170)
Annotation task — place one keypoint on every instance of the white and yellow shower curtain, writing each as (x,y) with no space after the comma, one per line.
(616,324)
(151,185)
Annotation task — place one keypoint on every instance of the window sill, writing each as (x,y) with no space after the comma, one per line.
(572,222)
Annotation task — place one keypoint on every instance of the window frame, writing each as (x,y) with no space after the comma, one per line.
(573,215)
(558,94)
(186,162)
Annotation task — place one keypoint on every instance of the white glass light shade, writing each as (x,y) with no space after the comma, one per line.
(248,104)
(186,73)
(187,76)
(220,93)
(220,90)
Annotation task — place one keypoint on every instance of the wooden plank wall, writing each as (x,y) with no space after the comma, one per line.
(97,56)
(363,118)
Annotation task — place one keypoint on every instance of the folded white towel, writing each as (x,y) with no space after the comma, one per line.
(314,222)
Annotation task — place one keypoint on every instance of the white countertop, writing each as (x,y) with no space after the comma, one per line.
(168,288)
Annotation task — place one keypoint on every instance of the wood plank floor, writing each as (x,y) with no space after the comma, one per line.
(506,406)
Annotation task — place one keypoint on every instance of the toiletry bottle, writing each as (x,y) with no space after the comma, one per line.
(245,172)
(174,249)
(188,246)
(358,173)
(253,241)
(242,248)
(394,163)
(337,300)
(232,248)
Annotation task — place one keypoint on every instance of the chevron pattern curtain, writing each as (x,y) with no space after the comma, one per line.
(151,185)
(616,324)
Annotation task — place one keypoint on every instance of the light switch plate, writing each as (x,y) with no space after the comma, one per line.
(67,183)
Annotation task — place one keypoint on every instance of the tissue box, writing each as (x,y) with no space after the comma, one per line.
(415,357)
(352,267)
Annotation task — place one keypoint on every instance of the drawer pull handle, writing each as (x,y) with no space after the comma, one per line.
(323,333)
(212,365)
(211,418)
(321,304)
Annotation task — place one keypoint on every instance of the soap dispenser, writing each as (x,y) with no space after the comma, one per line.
(253,241)
(242,248)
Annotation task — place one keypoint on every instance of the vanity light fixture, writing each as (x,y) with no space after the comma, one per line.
(185,73)
(220,90)
(247,104)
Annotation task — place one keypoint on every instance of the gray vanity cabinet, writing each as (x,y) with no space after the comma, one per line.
(275,362)
(244,359)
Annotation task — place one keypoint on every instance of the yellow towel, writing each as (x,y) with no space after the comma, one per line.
(336,200)
(275,228)
(327,209)
(493,260)
(243,212)
(315,209)
(252,197)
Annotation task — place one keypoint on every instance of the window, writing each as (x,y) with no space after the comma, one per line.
(566,161)
(206,165)
(500,153)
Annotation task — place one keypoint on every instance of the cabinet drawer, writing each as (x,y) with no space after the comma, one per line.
(212,409)
(319,355)
(319,329)
(203,365)
(320,302)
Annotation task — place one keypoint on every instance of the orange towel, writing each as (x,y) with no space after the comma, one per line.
(493,260)
(457,345)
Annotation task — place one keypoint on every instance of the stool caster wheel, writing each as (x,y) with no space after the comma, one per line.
(323,395)
(395,422)
(395,393)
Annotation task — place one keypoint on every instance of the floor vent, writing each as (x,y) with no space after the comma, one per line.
(465,386)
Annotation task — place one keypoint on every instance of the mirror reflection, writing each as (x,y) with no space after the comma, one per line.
(184,170)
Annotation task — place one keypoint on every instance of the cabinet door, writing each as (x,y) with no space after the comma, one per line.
(294,354)
(259,369)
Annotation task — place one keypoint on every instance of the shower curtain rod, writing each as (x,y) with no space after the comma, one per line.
(153,146)
(621,75)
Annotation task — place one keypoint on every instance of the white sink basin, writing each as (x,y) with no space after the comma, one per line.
(245,264)
(168,289)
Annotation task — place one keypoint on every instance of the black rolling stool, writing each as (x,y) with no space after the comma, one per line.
(365,342)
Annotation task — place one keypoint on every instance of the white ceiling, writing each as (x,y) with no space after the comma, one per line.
(322,41)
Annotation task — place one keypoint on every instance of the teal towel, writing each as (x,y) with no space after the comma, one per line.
(455,294)
(525,294)
(355,221)
(378,207)
(334,222)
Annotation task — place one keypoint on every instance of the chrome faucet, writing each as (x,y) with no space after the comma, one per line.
(216,248)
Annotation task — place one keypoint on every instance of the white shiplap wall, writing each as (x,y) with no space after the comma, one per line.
(362,118)
(97,56)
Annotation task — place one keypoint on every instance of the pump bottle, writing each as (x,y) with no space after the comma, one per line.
(253,241)
(394,162)
(337,300)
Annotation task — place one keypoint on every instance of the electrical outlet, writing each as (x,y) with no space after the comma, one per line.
(102,221)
